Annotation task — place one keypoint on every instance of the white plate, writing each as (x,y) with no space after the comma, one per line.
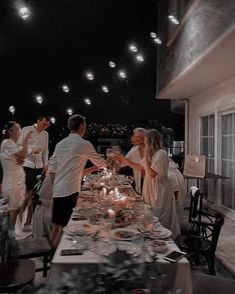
(160,233)
(124,234)
(80,229)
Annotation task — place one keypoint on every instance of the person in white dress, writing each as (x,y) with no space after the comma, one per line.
(177,183)
(135,154)
(12,157)
(157,190)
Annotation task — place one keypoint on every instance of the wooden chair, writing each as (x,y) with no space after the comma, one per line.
(36,247)
(203,240)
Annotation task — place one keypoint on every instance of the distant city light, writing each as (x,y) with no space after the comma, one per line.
(69,111)
(133,48)
(157,40)
(140,58)
(122,74)
(153,35)
(65,88)
(112,64)
(87,101)
(12,109)
(105,89)
(53,120)
(39,99)
(24,12)
(173,19)
(90,76)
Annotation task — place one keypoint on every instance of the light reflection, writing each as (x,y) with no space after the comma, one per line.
(173,19)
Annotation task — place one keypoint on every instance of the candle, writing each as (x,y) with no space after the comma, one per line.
(104,191)
(111,212)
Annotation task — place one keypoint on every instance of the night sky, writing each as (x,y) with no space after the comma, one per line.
(63,39)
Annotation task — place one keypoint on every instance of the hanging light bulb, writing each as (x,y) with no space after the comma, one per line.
(90,76)
(53,120)
(69,111)
(24,12)
(105,89)
(157,40)
(153,35)
(139,58)
(122,74)
(12,109)
(39,99)
(65,88)
(112,64)
(173,19)
(87,101)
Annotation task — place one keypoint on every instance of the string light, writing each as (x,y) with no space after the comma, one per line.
(122,74)
(24,12)
(173,19)
(140,58)
(69,111)
(105,89)
(90,76)
(65,88)
(133,48)
(157,40)
(112,64)
(87,101)
(53,120)
(39,99)
(153,35)
(12,109)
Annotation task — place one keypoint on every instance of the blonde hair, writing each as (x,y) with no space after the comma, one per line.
(154,141)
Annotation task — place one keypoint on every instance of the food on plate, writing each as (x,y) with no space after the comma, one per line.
(124,234)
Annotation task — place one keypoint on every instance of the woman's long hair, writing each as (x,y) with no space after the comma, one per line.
(153,141)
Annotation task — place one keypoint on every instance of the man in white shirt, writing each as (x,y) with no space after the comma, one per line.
(136,154)
(36,163)
(66,168)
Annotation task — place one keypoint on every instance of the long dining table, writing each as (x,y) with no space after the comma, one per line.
(94,236)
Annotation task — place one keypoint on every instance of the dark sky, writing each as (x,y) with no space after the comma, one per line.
(64,38)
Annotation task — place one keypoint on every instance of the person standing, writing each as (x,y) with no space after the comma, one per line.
(36,162)
(157,191)
(67,169)
(12,156)
(135,154)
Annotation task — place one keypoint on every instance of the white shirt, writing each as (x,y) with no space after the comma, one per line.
(68,162)
(37,139)
(134,155)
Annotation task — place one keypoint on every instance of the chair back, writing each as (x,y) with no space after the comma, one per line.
(219,221)
(195,208)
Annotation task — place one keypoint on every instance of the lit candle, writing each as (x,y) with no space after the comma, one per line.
(104,191)
(111,212)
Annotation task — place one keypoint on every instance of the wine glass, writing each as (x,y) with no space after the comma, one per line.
(109,152)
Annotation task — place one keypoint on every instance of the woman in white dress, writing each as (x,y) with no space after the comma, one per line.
(12,156)
(157,190)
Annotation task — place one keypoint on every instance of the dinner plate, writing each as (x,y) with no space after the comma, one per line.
(159,233)
(80,229)
(124,234)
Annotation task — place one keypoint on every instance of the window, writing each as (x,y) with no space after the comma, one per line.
(228,160)
(207,143)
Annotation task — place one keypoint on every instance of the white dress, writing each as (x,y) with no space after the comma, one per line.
(42,216)
(13,183)
(159,195)
(177,182)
